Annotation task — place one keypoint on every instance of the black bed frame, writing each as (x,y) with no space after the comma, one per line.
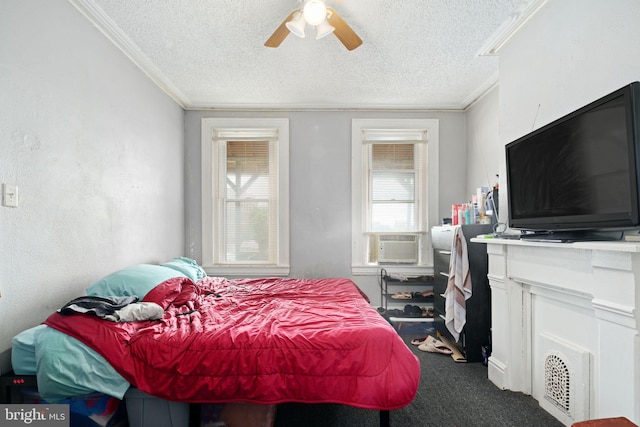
(10,382)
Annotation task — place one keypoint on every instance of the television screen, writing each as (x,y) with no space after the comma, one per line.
(579,172)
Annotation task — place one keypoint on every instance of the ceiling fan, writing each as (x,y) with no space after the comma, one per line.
(325,19)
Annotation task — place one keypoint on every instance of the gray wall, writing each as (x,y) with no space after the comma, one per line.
(320,191)
(97,151)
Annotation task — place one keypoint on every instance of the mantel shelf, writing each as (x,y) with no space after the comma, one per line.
(614,246)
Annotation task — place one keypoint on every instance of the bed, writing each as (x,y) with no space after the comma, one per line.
(265,341)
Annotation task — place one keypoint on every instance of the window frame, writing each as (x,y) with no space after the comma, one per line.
(211,200)
(428,194)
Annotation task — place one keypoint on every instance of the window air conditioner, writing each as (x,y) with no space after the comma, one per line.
(400,248)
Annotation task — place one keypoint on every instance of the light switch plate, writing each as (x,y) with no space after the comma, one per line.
(10,195)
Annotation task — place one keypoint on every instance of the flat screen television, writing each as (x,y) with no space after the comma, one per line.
(577,177)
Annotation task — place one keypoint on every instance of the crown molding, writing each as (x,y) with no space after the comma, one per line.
(481,91)
(455,108)
(509,28)
(111,30)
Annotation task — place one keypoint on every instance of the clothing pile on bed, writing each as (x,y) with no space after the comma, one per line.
(115,309)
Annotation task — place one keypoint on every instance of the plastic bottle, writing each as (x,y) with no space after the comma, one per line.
(481,205)
(473,217)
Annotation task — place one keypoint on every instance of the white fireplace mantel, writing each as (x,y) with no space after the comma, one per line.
(573,306)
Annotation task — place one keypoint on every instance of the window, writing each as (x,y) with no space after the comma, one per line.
(394,193)
(393,180)
(245,205)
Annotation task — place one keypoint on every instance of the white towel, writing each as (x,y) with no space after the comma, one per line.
(458,286)
(137,311)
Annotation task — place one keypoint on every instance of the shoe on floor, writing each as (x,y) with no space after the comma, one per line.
(433,345)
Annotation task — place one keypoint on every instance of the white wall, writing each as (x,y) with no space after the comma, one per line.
(484,148)
(96,150)
(570,53)
(320,191)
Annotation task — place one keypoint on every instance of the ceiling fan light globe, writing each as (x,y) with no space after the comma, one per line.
(297,25)
(315,12)
(323,29)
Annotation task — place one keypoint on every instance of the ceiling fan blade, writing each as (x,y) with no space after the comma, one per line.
(280,33)
(343,31)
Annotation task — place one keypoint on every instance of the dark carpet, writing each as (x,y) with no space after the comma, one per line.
(450,394)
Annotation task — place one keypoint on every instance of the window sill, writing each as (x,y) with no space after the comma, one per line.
(246,270)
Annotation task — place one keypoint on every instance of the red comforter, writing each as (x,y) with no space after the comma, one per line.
(263,341)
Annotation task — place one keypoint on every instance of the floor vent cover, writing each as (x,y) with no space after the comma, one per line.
(566,381)
(557,382)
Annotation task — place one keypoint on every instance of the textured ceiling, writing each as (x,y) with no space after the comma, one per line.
(418,54)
